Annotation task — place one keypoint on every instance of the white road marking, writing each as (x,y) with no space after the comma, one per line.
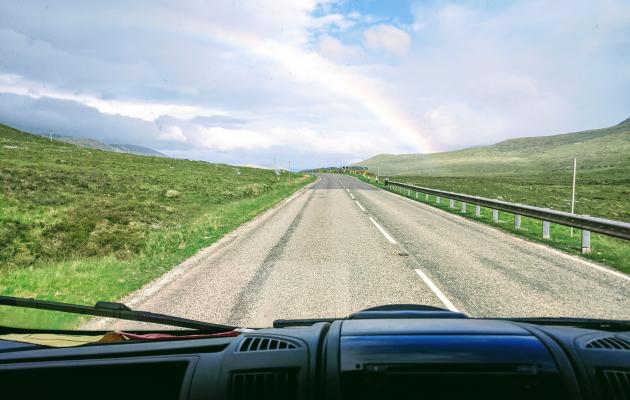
(292,197)
(437,291)
(493,229)
(347,190)
(380,228)
(352,196)
(619,274)
(360,206)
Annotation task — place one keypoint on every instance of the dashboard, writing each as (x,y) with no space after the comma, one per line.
(428,358)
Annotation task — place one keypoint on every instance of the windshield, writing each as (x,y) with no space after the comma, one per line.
(238,162)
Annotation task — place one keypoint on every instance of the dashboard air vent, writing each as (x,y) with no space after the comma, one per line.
(609,343)
(265,344)
(615,384)
(264,385)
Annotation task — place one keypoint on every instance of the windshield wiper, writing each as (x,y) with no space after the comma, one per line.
(115,310)
(588,323)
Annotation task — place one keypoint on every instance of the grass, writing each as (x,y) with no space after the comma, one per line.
(82,225)
(537,171)
(606,250)
(604,152)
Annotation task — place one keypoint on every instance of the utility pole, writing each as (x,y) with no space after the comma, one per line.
(51,136)
(378,172)
(289,170)
(573,191)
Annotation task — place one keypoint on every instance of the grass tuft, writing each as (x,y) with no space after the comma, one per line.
(82,225)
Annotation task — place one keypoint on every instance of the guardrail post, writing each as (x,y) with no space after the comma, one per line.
(517,221)
(463,207)
(451,204)
(477,210)
(409,192)
(495,215)
(426,196)
(586,241)
(417,195)
(546,225)
(437,199)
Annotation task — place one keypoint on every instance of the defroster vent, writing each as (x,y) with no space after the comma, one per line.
(264,344)
(609,343)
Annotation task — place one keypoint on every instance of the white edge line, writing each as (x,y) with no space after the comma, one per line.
(495,229)
(380,228)
(436,290)
(352,196)
(619,274)
(347,190)
(360,206)
(292,197)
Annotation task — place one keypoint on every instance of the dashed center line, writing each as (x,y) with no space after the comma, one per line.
(437,291)
(383,231)
(420,273)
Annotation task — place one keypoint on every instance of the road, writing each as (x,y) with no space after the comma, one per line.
(341,246)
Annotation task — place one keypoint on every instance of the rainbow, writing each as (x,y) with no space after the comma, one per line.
(311,67)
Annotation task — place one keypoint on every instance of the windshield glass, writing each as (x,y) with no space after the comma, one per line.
(237,162)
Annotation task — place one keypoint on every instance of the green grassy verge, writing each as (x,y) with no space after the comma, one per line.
(606,250)
(82,225)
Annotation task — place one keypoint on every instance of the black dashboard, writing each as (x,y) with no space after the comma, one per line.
(430,358)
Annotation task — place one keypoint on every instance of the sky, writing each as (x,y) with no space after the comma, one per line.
(312,82)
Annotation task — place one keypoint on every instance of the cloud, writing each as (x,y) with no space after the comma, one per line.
(319,82)
(387,38)
(336,50)
(172,133)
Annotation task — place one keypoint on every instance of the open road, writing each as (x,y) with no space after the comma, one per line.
(341,245)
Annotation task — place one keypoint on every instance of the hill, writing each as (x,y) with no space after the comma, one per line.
(96,144)
(536,170)
(81,225)
(139,150)
(605,149)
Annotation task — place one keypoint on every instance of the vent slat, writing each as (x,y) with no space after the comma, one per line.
(253,385)
(609,343)
(264,344)
(615,384)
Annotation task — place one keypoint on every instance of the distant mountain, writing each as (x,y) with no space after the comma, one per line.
(595,149)
(95,144)
(83,142)
(131,148)
(624,122)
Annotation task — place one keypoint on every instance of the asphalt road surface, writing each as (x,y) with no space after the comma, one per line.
(341,246)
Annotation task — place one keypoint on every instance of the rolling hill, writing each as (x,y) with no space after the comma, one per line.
(606,150)
(96,144)
(537,170)
(81,225)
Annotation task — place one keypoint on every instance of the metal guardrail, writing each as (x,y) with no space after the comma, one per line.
(586,223)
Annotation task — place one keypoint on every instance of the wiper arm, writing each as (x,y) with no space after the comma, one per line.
(115,310)
(589,323)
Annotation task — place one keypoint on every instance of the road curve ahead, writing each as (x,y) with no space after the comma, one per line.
(342,245)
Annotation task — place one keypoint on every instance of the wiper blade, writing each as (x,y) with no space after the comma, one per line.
(591,323)
(115,310)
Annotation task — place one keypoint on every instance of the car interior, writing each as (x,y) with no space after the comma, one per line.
(396,351)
